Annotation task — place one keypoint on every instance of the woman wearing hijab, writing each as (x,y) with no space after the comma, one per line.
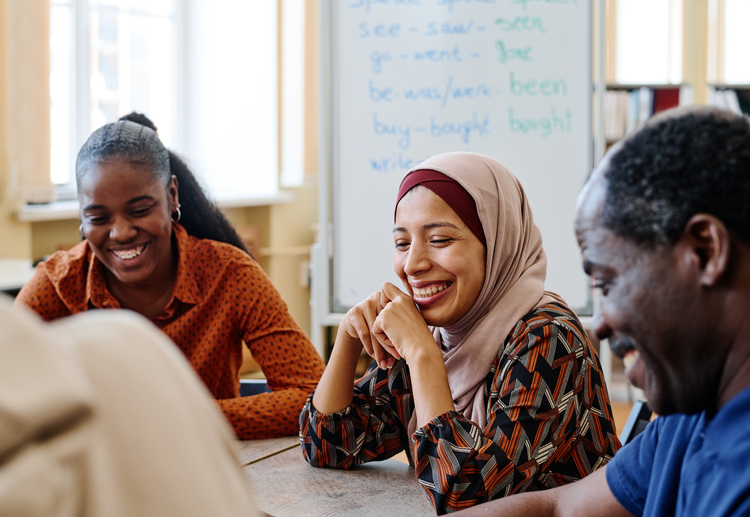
(486,380)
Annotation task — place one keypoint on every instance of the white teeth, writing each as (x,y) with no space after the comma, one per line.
(128,254)
(428,291)
(630,358)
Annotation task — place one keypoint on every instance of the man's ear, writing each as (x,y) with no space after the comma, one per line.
(708,245)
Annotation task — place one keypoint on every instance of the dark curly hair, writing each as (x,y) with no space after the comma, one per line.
(681,163)
(135,139)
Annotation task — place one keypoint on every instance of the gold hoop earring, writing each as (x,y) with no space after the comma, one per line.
(179,214)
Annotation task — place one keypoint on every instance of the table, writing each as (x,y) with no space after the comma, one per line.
(286,485)
(14,273)
(258,450)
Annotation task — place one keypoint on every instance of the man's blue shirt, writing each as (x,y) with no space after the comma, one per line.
(687,465)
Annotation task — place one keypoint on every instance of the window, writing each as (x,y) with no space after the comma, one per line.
(107,58)
(736,42)
(646,53)
(728,42)
(231,91)
(205,71)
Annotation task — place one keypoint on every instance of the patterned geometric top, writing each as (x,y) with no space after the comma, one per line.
(221,298)
(548,413)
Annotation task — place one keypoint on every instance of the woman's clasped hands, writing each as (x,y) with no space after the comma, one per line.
(389,326)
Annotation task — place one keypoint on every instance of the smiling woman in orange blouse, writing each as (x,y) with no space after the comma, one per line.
(154,244)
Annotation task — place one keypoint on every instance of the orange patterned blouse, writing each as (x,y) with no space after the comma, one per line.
(221,298)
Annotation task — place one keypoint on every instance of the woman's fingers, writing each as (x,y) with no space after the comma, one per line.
(381,337)
(391,350)
(363,333)
(381,356)
(358,324)
(383,344)
(399,327)
(363,323)
(358,320)
(385,353)
(389,292)
(371,309)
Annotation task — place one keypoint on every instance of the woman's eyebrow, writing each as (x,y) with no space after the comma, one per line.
(428,226)
(439,225)
(140,198)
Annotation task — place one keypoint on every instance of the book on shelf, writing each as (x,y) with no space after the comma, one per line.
(724,99)
(634,111)
(645,104)
(666,98)
(615,114)
(626,109)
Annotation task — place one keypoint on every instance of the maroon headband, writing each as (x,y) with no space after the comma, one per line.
(449,191)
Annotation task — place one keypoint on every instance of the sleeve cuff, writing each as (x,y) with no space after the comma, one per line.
(437,422)
(314,411)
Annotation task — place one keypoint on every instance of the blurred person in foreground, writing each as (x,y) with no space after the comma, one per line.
(664,230)
(100,415)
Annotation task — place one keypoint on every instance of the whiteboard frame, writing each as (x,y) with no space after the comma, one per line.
(321,260)
(323,314)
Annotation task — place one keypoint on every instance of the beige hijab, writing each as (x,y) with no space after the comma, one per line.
(516,267)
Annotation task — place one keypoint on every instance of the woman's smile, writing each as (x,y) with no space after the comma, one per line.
(132,255)
(425,295)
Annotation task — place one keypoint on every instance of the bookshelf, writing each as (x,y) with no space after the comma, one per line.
(732,97)
(627,106)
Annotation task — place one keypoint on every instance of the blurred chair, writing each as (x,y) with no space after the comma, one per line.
(253,387)
(637,421)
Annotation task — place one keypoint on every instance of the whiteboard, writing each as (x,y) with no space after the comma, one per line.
(412,78)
